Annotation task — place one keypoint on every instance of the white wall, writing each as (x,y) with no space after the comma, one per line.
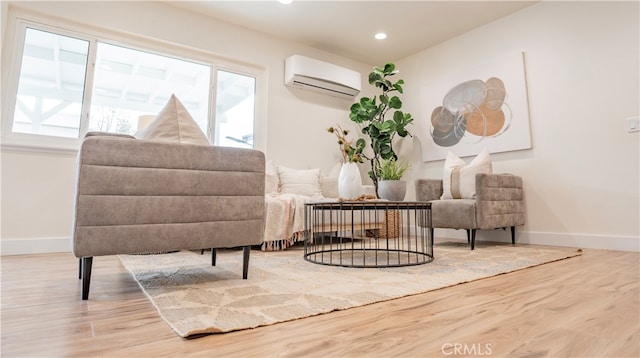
(37,188)
(581,176)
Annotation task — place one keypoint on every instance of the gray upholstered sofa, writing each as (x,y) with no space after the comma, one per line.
(499,203)
(136,196)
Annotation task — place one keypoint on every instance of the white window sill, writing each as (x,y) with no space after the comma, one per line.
(39,143)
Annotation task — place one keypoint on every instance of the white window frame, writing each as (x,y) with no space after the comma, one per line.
(12,58)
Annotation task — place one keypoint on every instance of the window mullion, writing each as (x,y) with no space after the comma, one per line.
(12,78)
(88,87)
(213,92)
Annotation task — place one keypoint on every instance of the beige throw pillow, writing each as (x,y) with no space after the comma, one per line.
(459,180)
(174,124)
(300,182)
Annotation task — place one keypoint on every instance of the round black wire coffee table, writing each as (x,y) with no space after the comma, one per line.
(368,233)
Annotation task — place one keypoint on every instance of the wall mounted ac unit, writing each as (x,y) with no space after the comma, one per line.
(316,75)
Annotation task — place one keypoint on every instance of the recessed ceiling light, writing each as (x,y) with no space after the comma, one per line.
(286,2)
(380,36)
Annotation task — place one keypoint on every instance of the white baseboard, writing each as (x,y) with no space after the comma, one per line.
(585,241)
(44,245)
(41,245)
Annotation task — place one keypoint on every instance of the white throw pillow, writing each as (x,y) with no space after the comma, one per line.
(270,178)
(300,182)
(173,124)
(459,180)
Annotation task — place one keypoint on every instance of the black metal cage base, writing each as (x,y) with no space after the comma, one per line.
(368,234)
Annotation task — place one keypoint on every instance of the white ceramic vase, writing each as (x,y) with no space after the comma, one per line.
(392,190)
(349,181)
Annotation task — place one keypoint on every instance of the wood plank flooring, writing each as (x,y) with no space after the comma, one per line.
(588,306)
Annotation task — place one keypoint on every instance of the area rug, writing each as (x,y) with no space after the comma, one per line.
(195,298)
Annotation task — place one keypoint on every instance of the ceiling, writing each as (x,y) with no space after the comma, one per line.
(347,28)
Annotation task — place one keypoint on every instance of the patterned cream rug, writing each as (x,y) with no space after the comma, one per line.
(194,297)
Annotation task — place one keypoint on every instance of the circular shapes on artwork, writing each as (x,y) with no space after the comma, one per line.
(447,128)
(465,95)
(471,110)
(496,93)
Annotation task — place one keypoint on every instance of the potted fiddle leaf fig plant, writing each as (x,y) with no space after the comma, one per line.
(371,114)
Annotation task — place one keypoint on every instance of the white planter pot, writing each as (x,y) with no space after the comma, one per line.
(349,181)
(392,190)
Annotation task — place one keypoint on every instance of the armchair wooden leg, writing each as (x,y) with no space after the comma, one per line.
(473,238)
(213,256)
(86,276)
(431,232)
(246,251)
(513,235)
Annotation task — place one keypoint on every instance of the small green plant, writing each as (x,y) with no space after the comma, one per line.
(392,169)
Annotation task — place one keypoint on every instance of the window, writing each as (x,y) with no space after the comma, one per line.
(51,85)
(130,83)
(235,108)
(72,83)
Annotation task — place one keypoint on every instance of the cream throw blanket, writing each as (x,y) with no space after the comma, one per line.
(284,222)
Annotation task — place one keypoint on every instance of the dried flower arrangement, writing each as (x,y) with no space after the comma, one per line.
(351,153)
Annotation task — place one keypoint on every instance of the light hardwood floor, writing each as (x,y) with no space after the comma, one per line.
(586,306)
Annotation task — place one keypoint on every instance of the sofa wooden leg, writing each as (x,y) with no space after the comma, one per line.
(513,235)
(86,276)
(473,239)
(246,252)
(79,268)
(468,236)
(213,256)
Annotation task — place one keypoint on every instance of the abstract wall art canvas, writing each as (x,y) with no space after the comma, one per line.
(480,107)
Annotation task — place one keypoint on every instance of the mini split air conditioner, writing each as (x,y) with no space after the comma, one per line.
(316,75)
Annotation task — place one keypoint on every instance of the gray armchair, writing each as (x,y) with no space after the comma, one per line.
(499,203)
(136,196)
